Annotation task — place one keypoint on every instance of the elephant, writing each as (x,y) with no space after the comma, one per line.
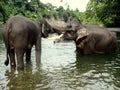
(19,35)
(95,39)
(92,39)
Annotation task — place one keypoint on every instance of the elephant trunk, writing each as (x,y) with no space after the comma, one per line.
(7,46)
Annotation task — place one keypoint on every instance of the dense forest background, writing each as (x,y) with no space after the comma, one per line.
(101,12)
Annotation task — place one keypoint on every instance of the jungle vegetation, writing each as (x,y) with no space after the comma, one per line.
(102,12)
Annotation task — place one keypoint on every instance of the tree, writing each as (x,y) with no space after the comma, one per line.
(107,12)
(2,11)
(34,9)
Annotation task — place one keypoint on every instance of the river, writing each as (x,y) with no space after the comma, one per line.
(62,69)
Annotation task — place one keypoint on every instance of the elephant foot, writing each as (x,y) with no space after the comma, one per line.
(20,67)
(13,67)
(28,61)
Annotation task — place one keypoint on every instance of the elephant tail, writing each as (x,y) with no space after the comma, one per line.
(7,60)
(8,28)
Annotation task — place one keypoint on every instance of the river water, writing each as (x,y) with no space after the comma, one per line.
(62,69)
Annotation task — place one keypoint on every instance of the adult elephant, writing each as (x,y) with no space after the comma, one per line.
(94,39)
(20,34)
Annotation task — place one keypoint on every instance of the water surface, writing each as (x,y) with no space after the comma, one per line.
(62,69)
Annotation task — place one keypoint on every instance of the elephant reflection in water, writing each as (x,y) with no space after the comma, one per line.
(20,34)
(25,79)
(20,80)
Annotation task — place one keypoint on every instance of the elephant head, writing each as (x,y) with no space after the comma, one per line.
(47,28)
(81,36)
(69,35)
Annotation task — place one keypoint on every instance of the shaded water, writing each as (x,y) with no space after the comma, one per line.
(62,69)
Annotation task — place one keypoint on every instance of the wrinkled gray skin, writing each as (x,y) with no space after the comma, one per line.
(97,40)
(48,29)
(70,25)
(20,34)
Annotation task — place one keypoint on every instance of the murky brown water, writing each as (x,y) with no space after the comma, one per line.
(62,69)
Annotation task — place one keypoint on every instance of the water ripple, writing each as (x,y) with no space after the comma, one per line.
(62,69)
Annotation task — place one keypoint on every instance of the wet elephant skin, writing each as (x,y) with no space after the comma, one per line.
(20,34)
(99,40)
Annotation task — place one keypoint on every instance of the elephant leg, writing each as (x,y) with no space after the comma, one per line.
(12,58)
(20,55)
(38,50)
(28,55)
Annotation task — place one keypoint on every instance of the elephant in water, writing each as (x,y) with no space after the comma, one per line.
(95,39)
(20,34)
(92,39)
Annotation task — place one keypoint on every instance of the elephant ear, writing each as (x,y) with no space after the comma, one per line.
(82,33)
(81,38)
(43,31)
(43,28)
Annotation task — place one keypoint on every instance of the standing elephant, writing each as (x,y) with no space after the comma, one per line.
(20,34)
(94,39)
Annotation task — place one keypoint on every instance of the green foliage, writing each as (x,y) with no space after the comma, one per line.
(104,11)
(34,9)
(88,17)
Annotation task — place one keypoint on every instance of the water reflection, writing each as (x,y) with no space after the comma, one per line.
(26,80)
(62,69)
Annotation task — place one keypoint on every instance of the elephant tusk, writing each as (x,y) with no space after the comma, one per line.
(60,35)
(55,37)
